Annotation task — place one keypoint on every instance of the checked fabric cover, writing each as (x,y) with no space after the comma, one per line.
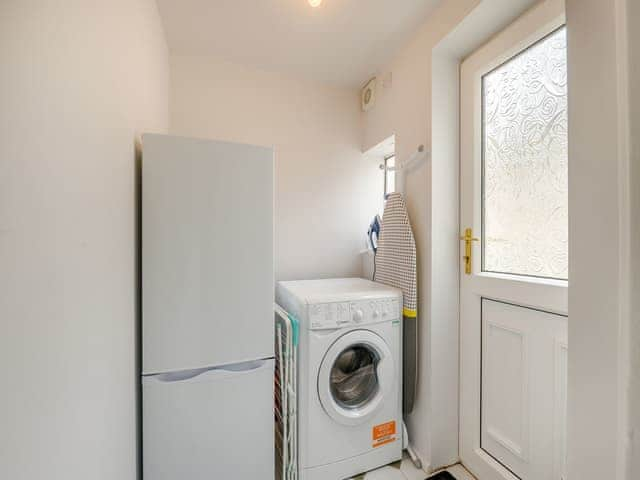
(396,255)
(395,265)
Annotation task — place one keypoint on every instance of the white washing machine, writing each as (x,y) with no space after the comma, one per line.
(349,375)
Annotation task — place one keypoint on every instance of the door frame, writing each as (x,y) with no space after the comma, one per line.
(536,293)
(474,26)
(438,443)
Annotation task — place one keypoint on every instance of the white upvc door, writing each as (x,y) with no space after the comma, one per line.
(513,299)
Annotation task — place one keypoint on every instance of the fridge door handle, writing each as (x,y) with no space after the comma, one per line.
(209,372)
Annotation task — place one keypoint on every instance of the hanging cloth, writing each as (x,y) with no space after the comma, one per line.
(395,265)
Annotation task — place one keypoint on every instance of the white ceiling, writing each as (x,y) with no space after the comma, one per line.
(343,42)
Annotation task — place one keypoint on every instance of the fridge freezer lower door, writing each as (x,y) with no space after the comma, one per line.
(214,423)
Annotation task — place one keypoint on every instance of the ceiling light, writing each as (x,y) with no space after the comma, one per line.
(315,3)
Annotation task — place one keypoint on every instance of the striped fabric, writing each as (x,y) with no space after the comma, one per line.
(396,255)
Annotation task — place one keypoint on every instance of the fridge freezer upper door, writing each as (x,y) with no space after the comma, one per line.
(207,253)
(217,424)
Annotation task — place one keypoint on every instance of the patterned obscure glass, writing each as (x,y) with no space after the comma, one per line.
(524,117)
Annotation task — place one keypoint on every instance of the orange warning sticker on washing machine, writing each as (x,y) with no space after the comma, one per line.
(384,433)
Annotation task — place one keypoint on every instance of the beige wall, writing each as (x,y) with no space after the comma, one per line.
(326,191)
(405,109)
(633,39)
(629,36)
(80,80)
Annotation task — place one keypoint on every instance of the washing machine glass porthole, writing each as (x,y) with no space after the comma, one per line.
(354,376)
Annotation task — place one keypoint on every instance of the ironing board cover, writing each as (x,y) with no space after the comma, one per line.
(396,266)
(396,255)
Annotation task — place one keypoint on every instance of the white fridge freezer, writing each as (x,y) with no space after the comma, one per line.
(210,424)
(207,309)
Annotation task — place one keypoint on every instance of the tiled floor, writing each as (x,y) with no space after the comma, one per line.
(404,470)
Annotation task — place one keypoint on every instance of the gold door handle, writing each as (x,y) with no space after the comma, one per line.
(468,238)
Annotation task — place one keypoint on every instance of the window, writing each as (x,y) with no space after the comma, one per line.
(524,162)
(389,175)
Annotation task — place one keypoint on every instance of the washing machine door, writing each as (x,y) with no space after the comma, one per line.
(356,376)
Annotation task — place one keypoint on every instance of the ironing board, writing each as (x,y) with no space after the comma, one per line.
(395,265)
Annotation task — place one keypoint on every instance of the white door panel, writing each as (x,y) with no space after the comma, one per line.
(512,312)
(561,352)
(505,387)
(523,365)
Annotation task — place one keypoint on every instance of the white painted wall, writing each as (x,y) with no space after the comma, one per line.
(405,109)
(594,386)
(326,191)
(595,240)
(633,369)
(594,440)
(628,38)
(478,28)
(80,80)
(421,108)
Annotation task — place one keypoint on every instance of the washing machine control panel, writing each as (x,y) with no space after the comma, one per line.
(358,312)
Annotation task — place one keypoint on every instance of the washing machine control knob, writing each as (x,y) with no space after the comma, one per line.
(358,316)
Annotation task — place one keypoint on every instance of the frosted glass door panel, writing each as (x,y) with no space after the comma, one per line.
(524,152)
